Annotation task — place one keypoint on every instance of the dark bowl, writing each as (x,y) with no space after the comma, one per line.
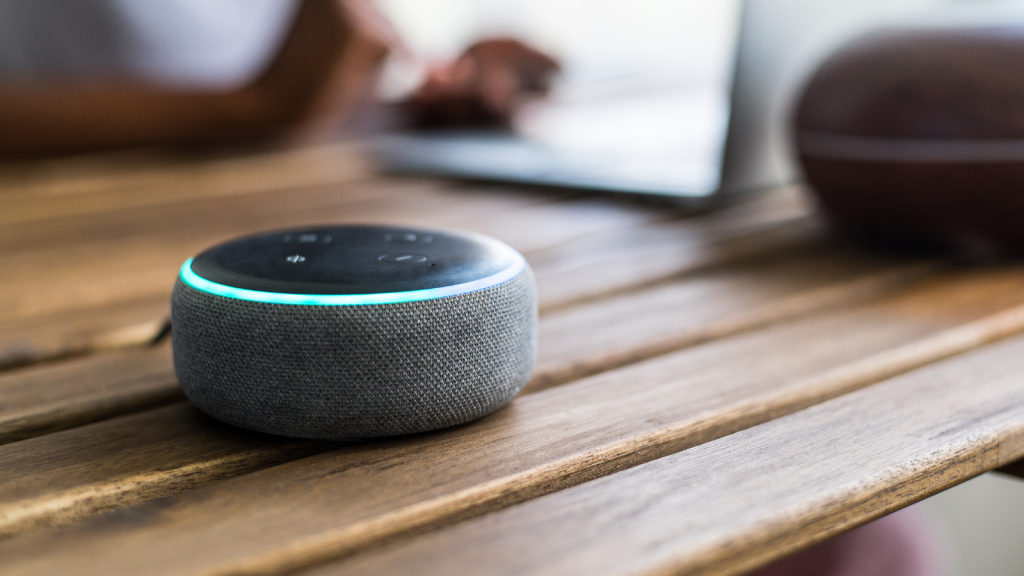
(915,139)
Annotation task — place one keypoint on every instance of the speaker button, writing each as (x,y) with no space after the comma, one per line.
(403,258)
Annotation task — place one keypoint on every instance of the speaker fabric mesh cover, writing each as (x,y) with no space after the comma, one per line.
(355,371)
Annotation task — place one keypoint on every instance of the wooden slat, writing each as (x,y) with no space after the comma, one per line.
(122,324)
(600,335)
(88,279)
(740,502)
(98,292)
(92,185)
(190,199)
(599,265)
(85,281)
(180,229)
(120,462)
(575,341)
(178,219)
(58,396)
(326,506)
(522,217)
(82,272)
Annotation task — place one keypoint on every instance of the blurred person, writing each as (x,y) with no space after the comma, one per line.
(482,88)
(98,74)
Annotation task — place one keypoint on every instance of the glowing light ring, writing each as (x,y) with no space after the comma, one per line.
(202,284)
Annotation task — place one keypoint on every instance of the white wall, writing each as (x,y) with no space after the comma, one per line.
(983,520)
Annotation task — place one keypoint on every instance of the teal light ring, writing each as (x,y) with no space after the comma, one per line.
(202,284)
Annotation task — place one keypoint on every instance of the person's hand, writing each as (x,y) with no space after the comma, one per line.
(483,87)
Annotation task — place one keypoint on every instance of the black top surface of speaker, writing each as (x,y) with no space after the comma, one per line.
(353,260)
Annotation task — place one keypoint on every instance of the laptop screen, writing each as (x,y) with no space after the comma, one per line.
(641,103)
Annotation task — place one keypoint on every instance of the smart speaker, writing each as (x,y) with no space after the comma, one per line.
(354,331)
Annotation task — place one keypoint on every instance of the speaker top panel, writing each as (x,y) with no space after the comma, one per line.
(352,265)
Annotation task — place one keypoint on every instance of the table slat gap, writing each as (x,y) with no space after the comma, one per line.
(67,476)
(48,398)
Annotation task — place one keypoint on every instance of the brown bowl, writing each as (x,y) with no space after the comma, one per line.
(915,139)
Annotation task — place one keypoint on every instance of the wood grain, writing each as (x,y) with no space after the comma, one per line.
(81,272)
(67,475)
(740,502)
(603,264)
(599,335)
(102,281)
(93,184)
(326,506)
(522,217)
(182,218)
(99,290)
(131,323)
(54,397)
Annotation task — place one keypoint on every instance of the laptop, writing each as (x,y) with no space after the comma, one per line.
(641,105)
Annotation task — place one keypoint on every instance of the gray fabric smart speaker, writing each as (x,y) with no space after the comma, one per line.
(354,331)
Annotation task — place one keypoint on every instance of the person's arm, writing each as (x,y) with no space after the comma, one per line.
(325,63)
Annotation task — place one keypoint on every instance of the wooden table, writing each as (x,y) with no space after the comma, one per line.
(712,392)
